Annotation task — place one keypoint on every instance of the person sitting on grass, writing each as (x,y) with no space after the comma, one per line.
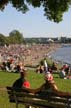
(54,66)
(63,73)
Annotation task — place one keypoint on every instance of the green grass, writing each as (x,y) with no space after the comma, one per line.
(7,79)
(36,80)
(63,84)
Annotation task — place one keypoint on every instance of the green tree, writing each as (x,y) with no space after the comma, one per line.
(15,37)
(2,40)
(53,9)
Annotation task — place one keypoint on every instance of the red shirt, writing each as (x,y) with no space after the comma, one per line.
(26,84)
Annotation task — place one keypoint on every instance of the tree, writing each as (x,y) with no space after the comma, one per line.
(53,9)
(2,40)
(16,37)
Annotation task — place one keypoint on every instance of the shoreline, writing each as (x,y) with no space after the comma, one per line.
(41,54)
(62,60)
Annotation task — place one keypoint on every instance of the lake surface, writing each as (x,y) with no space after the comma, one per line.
(63,54)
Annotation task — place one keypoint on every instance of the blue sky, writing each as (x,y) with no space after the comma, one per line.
(33,23)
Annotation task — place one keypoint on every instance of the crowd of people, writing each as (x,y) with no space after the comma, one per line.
(45,67)
(64,71)
(14,57)
(28,54)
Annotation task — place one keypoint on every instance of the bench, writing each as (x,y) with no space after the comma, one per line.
(45,99)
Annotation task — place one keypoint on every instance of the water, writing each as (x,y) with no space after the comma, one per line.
(63,54)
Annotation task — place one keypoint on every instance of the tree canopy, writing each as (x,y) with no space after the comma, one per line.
(53,9)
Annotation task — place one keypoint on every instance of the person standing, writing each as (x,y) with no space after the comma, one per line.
(45,66)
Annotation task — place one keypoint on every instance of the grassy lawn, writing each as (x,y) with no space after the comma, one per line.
(36,80)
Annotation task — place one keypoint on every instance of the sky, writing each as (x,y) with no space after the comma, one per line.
(33,23)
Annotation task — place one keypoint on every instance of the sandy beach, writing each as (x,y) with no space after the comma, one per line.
(29,55)
(38,52)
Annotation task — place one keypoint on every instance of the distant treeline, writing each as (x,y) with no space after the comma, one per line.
(48,40)
(15,37)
